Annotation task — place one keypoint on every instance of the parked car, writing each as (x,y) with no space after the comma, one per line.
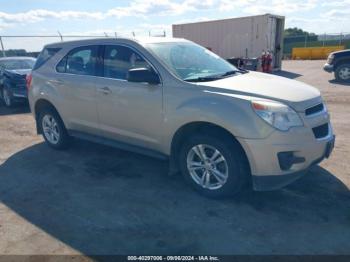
(13,73)
(223,128)
(339,63)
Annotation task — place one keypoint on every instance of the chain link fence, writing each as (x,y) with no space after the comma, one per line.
(31,45)
(313,40)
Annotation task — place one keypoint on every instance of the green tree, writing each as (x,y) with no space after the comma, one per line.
(296,32)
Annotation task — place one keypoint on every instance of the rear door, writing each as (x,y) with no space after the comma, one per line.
(76,77)
(128,112)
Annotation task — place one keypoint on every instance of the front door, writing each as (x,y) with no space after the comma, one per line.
(128,112)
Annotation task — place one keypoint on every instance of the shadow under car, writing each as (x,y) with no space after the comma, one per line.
(103,201)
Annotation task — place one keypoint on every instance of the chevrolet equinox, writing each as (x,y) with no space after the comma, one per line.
(223,128)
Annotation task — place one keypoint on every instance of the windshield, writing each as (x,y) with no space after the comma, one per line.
(190,61)
(18,64)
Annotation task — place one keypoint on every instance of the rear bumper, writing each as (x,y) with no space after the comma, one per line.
(328,68)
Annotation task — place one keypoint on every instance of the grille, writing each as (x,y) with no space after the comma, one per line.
(321,131)
(315,109)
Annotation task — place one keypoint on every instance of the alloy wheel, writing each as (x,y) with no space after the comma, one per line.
(50,129)
(207,166)
(7,98)
(344,73)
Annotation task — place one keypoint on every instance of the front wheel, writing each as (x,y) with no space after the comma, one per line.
(214,167)
(53,129)
(342,73)
(6,96)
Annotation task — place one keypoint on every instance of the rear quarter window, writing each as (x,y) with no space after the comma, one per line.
(44,56)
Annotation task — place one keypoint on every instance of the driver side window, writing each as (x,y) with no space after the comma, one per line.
(118,60)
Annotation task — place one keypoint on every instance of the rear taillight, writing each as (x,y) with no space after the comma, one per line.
(29,78)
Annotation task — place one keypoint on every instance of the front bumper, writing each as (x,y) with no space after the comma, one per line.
(328,68)
(264,183)
(268,171)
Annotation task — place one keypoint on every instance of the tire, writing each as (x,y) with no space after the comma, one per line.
(53,129)
(342,73)
(6,98)
(234,169)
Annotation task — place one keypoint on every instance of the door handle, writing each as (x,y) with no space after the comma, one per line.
(105,90)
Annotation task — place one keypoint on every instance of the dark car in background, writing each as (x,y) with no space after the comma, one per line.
(339,63)
(13,74)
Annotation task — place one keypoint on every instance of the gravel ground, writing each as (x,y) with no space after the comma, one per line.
(93,199)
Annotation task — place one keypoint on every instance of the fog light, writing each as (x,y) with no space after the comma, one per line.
(287,159)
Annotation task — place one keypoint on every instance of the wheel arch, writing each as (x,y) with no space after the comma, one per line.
(341,61)
(197,127)
(38,107)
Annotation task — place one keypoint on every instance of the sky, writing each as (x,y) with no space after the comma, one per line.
(84,17)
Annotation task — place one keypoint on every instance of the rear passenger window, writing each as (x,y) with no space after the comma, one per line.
(118,60)
(79,61)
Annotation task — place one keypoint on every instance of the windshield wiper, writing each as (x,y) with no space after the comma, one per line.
(228,73)
(216,77)
(203,79)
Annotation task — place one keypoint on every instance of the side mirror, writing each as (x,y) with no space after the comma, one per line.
(142,75)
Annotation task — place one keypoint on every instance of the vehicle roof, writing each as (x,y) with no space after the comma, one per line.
(16,58)
(139,40)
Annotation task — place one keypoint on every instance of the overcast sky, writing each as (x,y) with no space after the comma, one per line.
(18,17)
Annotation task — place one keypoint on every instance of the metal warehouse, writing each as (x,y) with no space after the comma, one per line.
(238,37)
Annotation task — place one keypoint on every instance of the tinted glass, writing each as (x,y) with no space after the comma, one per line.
(79,61)
(118,60)
(61,67)
(44,56)
(189,60)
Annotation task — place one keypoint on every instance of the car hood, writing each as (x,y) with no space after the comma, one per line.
(295,93)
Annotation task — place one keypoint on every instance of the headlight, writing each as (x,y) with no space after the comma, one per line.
(330,59)
(277,114)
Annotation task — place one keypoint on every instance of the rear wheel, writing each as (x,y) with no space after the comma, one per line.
(342,73)
(6,96)
(53,129)
(214,167)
